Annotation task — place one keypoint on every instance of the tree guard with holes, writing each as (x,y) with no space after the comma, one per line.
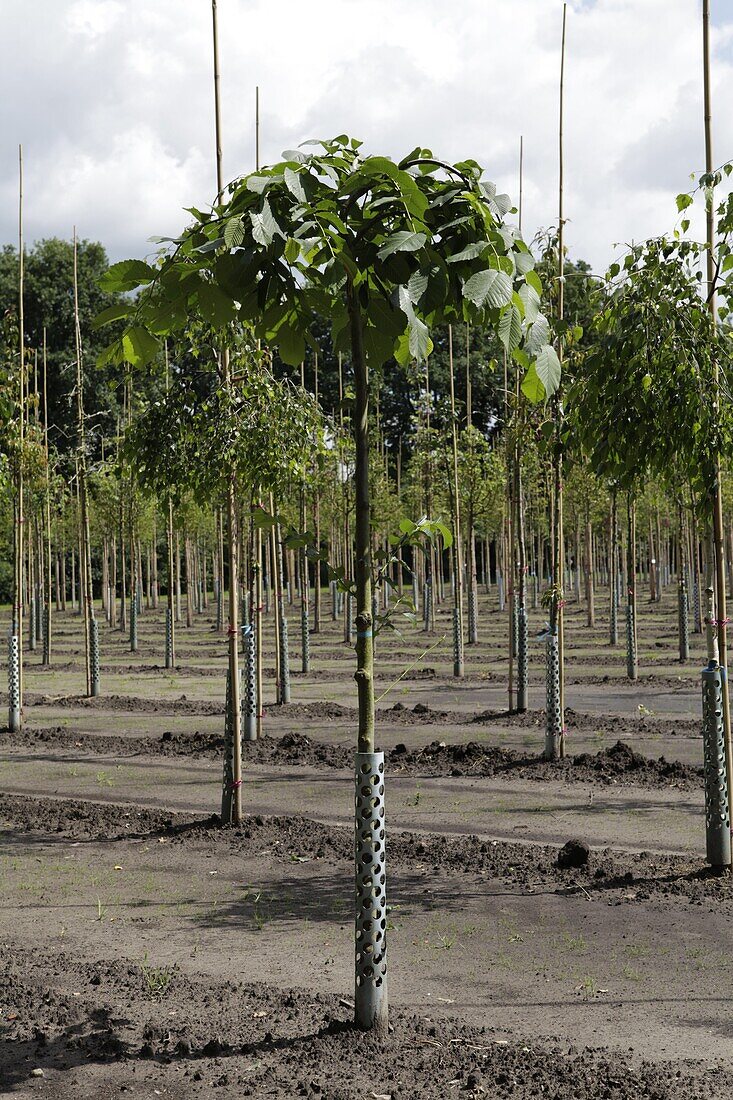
(46,629)
(717,805)
(219,606)
(349,623)
(522,660)
(472,615)
(227,788)
(371,893)
(684,623)
(32,622)
(305,636)
(284,658)
(133,624)
(13,684)
(553,727)
(168,638)
(631,662)
(249,724)
(458,667)
(94,654)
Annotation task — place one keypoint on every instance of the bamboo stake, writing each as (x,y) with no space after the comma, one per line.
(236,725)
(718,531)
(19,515)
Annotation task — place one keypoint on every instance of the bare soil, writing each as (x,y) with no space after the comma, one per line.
(146,949)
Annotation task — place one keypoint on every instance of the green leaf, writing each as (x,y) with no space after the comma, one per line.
(524,263)
(113,313)
(416,286)
(532,388)
(233,233)
(404,241)
(293,184)
(683,201)
(138,347)
(548,369)
(419,341)
(292,250)
(470,252)
(216,307)
(127,275)
(264,226)
(291,345)
(510,328)
(539,334)
(378,345)
(531,302)
(257,183)
(490,287)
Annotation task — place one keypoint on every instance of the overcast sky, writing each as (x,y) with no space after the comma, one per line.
(113,103)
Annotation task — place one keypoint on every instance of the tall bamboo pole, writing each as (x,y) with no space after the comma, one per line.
(86,595)
(717,502)
(47,624)
(16,714)
(235,717)
(458,664)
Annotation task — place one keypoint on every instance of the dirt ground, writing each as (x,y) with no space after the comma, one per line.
(147,951)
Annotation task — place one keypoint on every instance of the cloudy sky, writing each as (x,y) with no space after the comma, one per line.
(112,101)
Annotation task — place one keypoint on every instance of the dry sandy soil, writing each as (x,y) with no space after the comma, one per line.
(145,950)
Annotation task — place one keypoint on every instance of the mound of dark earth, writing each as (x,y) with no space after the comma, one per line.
(94,1028)
(617,877)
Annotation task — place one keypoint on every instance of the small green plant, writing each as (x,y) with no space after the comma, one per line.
(573,943)
(156,979)
(588,988)
(101,910)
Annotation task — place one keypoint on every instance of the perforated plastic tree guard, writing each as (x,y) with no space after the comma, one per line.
(522,659)
(553,728)
(94,654)
(630,643)
(13,685)
(457,642)
(133,625)
(305,636)
(717,804)
(249,724)
(168,638)
(284,662)
(349,631)
(46,633)
(371,892)
(472,615)
(684,622)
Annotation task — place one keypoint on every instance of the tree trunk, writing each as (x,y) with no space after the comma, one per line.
(371,977)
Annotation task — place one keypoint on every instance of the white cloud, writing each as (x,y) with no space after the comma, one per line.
(117,122)
(92,19)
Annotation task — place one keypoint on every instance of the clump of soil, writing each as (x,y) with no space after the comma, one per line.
(94,1027)
(127,703)
(575,853)
(618,765)
(619,877)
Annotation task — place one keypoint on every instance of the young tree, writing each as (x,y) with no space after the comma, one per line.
(385,250)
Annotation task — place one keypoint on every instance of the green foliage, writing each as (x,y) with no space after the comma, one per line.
(420,243)
(645,398)
(194,436)
(48,302)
